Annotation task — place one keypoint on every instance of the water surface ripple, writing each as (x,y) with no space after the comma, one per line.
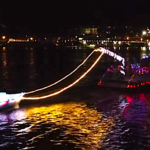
(85,122)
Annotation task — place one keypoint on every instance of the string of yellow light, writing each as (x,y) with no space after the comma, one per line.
(40,89)
(72,84)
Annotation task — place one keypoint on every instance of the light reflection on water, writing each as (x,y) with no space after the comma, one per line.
(82,126)
(132,126)
(5,71)
(103,126)
(33,73)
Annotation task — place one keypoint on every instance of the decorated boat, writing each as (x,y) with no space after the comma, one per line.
(10,100)
(134,75)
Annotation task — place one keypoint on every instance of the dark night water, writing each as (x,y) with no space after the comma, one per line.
(80,118)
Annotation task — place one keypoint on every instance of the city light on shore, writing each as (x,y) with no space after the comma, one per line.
(3,37)
(144,33)
(31,38)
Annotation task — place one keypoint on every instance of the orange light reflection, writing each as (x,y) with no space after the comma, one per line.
(84,123)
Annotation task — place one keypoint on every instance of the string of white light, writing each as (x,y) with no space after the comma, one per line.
(102,50)
(112,54)
(69,86)
(40,89)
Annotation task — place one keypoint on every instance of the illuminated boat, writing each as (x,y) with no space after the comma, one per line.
(131,76)
(9,100)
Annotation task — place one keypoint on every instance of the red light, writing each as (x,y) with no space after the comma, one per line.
(128,98)
(138,85)
(128,86)
(99,83)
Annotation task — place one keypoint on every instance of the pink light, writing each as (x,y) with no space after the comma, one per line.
(3,104)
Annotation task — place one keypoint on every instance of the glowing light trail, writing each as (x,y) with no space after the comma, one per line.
(69,86)
(63,77)
(115,56)
(112,54)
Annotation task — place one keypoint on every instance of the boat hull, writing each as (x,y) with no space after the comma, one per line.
(124,86)
(8,101)
(9,106)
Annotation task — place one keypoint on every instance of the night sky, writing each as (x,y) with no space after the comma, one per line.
(40,16)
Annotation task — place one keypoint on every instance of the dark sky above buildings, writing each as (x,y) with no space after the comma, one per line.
(49,15)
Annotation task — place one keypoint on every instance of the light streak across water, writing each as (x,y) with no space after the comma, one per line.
(72,84)
(40,89)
